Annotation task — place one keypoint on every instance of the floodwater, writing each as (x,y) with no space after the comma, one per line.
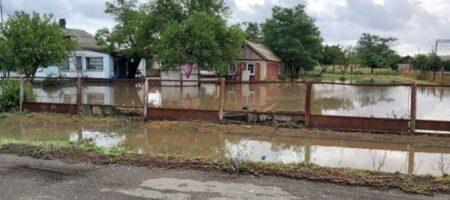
(386,157)
(328,99)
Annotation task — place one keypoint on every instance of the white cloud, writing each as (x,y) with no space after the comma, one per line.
(416,23)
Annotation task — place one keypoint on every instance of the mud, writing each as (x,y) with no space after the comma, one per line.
(412,184)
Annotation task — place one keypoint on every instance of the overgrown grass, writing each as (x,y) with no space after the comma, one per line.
(361,75)
(84,145)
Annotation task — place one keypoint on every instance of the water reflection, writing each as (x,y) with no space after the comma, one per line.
(328,99)
(386,157)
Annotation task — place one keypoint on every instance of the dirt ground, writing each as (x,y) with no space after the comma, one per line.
(411,184)
(27,178)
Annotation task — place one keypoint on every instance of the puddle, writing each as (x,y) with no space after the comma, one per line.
(386,157)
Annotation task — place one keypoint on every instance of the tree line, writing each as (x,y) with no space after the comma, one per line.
(430,62)
(180,31)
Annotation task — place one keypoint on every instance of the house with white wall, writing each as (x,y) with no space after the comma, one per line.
(88,59)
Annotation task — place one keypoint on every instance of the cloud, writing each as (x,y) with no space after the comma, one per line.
(416,23)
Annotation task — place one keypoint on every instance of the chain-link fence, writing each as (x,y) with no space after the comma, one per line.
(266,97)
(433,103)
(380,101)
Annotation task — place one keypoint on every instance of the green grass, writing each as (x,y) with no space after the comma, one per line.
(361,75)
(83,145)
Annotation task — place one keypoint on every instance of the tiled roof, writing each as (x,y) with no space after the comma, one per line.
(263,51)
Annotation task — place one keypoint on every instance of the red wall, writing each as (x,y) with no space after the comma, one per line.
(271,71)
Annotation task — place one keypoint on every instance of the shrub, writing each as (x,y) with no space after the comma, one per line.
(10,94)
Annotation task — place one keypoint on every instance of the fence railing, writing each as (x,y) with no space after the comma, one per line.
(380,107)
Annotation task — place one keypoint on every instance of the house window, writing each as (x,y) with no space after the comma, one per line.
(65,65)
(232,70)
(94,63)
(251,69)
(79,62)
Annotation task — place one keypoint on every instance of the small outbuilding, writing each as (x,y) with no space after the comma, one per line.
(256,63)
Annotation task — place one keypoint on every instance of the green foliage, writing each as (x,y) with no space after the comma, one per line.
(375,51)
(10,94)
(252,31)
(8,62)
(203,39)
(420,62)
(332,55)
(429,62)
(35,41)
(446,65)
(434,62)
(293,36)
(143,29)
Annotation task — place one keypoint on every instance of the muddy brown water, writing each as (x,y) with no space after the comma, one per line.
(328,99)
(386,157)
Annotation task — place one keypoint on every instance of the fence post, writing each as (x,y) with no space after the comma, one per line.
(145,98)
(308,104)
(22,93)
(412,124)
(79,95)
(222,99)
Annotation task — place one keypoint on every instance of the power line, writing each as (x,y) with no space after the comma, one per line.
(440,43)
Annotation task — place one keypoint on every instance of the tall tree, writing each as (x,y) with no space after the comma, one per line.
(375,51)
(446,65)
(434,62)
(350,58)
(252,31)
(331,56)
(293,36)
(203,39)
(8,61)
(127,35)
(35,41)
(420,62)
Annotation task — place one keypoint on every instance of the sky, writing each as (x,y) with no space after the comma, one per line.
(415,23)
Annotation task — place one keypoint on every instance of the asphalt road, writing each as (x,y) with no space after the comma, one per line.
(25,178)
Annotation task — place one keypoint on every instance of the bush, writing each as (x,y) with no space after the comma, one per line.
(10,95)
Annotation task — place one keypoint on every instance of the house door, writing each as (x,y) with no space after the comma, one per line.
(121,67)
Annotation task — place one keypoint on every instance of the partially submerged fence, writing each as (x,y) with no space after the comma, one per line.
(382,107)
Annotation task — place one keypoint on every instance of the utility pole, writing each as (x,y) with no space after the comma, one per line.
(1,10)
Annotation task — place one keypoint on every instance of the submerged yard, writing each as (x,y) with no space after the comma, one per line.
(417,164)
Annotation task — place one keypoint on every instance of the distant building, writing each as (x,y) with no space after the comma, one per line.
(256,63)
(89,60)
(405,64)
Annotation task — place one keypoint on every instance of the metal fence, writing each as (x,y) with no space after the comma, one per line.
(386,107)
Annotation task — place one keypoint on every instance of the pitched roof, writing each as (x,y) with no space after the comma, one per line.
(263,51)
(85,40)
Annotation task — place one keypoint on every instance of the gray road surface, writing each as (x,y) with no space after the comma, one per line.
(25,178)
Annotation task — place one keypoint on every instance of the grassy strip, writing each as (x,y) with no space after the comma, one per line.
(87,153)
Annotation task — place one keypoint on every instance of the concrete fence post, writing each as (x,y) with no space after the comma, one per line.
(79,95)
(308,100)
(22,93)
(222,99)
(145,102)
(413,115)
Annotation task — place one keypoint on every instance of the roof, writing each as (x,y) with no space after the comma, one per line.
(85,40)
(263,51)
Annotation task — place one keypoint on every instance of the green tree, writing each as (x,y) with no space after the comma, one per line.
(203,39)
(446,65)
(375,51)
(293,36)
(252,31)
(8,62)
(420,62)
(140,27)
(434,62)
(331,56)
(350,58)
(35,41)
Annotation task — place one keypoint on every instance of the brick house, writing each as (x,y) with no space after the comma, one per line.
(256,63)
